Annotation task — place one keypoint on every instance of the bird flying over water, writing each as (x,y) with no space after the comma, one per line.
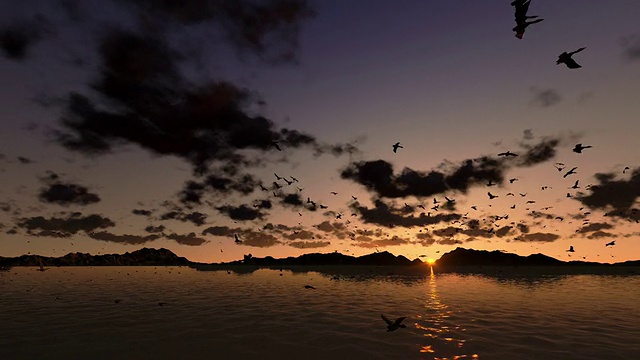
(566,58)
(396,146)
(394,325)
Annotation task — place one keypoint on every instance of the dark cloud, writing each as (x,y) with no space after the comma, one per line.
(545,97)
(535,154)
(219,231)
(72,224)
(378,176)
(24,160)
(194,191)
(527,134)
(189,239)
(197,218)
(122,239)
(388,216)
(369,243)
(16,39)
(242,212)
(600,235)
(537,237)
(594,227)
(154,229)
(617,196)
(141,212)
(309,244)
(67,194)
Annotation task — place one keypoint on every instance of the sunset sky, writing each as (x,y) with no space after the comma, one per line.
(129,124)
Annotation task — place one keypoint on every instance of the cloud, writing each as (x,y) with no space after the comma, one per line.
(154,229)
(535,154)
(242,212)
(189,239)
(388,216)
(617,196)
(141,212)
(594,227)
(67,194)
(537,237)
(72,224)
(16,39)
(122,239)
(309,244)
(197,218)
(600,235)
(369,243)
(527,134)
(545,97)
(631,48)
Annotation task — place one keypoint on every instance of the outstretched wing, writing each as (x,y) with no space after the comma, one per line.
(389,322)
(400,320)
(572,64)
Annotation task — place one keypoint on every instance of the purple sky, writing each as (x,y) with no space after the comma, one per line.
(111,106)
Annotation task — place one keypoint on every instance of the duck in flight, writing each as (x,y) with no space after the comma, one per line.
(521,9)
(566,58)
(491,196)
(507,154)
(610,243)
(579,147)
(397,146)
(394,325)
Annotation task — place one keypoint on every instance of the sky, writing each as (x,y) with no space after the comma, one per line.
(182,124)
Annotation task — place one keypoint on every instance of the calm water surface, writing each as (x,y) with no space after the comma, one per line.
(71,313)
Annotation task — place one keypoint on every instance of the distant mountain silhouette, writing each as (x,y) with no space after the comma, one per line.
(142,257)
(380,258)
(470,257)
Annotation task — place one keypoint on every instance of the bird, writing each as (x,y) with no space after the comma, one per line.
(490,183)
(571,249)
(277,177)
(507,154)
(572,171)
(565,58)
(309,287)
(396,146)
(575,186)
(294,179)
(610,243)
(491,196)
(354,198)
(579,147)
(289,182)
(237,240)
(511,181)
(394,325)
(624,171)
(334,193)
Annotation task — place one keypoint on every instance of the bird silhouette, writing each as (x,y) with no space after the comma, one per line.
(610,243)
(575,186)
(237,240)
(624,171)
(566,58)
(394,325)
(277,177)
(507,154)
(275,145)
(572,171)
(571,249)
(309,287)
(579,147)
(521,17)
(491,196)
(396,146)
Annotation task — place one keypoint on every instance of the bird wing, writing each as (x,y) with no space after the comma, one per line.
(400,320)
(389,322)
(572,64)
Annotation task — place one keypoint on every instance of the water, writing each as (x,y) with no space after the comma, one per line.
(71,313)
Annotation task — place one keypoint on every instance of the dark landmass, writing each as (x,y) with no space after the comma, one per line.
(458,260)
(142,257)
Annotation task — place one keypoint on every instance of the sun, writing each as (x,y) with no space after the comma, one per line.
(431,261)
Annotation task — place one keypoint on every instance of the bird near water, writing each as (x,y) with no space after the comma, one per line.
(394,325)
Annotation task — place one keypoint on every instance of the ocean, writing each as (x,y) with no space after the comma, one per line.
(182,313)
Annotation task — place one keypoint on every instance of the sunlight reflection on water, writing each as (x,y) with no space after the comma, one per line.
(72,313)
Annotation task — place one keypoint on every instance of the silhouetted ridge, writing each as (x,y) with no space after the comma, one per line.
(469,257)
(381,258)
(142,257)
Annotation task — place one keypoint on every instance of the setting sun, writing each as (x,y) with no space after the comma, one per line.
(431,261)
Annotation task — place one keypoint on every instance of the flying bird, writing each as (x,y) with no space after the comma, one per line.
(565,58)
(396,146)
(511,181)
(309,287)
(624,171)
(277,177)
(579,147)
(575,186)
(571,249)
(610,243)
(394,325)
(491,196)
(572,171)
(507,154)
(521,9)
(275,145)
(237,240)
